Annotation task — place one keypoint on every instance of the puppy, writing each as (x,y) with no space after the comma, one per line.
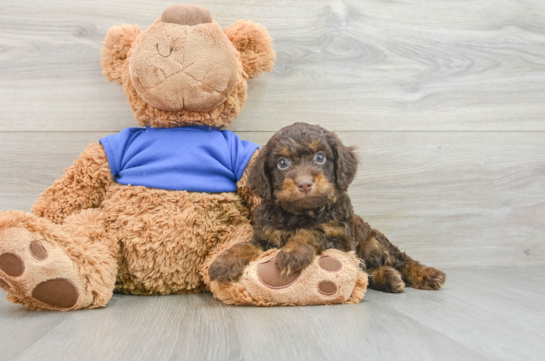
(302,176)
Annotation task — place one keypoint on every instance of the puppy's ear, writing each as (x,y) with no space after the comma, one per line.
(260,180)
(254,43)
(116,46)
(346,162)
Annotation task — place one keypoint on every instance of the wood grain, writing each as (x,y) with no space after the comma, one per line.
(470,319)
(444,100)
(348,65)
(449,199)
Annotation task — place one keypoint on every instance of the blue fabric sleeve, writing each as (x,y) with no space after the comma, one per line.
(115,145)
(241,152)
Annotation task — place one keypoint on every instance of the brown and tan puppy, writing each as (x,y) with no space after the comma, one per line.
(302,176)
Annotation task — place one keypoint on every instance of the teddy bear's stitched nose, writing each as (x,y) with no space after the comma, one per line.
(186,14)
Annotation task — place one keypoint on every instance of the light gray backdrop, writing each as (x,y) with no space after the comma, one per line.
(444,99)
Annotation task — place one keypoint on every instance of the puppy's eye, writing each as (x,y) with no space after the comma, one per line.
(283,163)
(319,158)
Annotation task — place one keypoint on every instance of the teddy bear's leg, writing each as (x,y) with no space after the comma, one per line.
(57,267)
(332,277)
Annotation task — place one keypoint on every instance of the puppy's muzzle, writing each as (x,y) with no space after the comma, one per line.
(305,185)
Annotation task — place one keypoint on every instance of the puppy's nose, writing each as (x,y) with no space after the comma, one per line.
(305,185)
(186,14)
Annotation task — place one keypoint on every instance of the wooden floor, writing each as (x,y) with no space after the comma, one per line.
(494,314)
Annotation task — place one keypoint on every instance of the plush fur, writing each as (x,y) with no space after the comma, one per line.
(254,45)
(302,175)
(199,72)
(249,290)
(83,186)
(81,250)
(100,236)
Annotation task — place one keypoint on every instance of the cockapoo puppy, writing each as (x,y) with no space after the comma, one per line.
(302,176)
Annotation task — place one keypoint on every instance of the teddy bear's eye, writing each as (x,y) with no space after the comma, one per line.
(283,163)
(319,158)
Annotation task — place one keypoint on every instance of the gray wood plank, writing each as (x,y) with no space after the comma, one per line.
(467,320)
(350,65)
(480,312)
(20,328)
(448,199)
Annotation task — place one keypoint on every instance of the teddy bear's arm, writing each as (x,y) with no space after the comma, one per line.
(251,199)
(82,186)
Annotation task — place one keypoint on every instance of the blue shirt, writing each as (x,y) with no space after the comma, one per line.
(191,158)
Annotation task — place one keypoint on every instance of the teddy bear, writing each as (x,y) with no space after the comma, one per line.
(147,210)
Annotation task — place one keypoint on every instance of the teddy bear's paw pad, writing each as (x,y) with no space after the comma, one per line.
(333,277)
(39,273)
(270,275)
(38,251)
(327,288)
(12,264)
(59,293)
(330,264)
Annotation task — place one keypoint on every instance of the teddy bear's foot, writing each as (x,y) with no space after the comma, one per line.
(333,277)
(38,273)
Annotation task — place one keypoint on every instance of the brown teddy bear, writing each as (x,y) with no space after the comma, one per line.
(147,210)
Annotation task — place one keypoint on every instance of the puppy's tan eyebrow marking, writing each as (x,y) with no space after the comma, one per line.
(315,145)
(284,150)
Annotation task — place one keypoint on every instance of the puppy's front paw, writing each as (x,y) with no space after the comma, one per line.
(291,260)
(228,267)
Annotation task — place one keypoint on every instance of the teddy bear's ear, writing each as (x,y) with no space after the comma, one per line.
(116,45)
(254,44)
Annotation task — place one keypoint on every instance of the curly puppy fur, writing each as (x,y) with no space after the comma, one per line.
(302,176)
